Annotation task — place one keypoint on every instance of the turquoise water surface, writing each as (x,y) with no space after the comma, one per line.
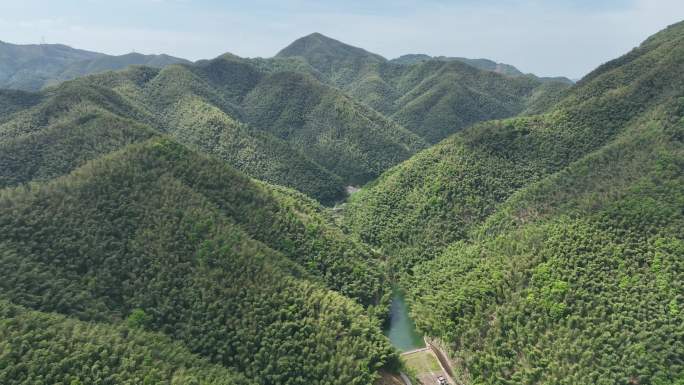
(402,330)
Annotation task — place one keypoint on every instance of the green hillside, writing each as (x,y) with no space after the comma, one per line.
(439,98)
(31,67)
(63,129)
(436,197)
(38,146)
(275,119)
(345,137)
(339,62)
(193,223)
(15,100)
(276,125)
(432,98)
(52,349)
(547,249)
(183,245)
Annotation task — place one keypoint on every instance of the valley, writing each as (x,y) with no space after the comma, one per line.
(330,216)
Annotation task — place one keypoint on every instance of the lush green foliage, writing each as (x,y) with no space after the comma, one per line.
(282,127)
(421,206)
(433,98)
(586,289)
(301,133)
(344,136)
(41,348)
(548,249)
(274,119)
(539,249)
(63,130)
(61,147)
(15,100)
(339,62)
(183,239)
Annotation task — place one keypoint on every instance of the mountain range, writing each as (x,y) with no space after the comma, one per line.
(189,223)
(282,120)
(31,67)
(548,248)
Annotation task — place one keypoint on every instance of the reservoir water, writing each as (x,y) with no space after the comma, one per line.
(402,330)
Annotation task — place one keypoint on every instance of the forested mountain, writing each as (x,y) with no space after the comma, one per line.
(548,248)
(340,62)
(283,127)
(282,120)
(173,242)
(30,67)
(433,98)
(163,223)
(53,349)
(16,100)
(483,64)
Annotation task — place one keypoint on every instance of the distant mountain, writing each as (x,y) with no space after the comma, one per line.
(483,64)
(284,120)
(151,231)
(33,66)
(429,96)
(339,62)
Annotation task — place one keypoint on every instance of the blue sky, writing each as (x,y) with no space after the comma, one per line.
(560,37)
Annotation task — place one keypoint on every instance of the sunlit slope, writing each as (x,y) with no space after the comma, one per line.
(577,279)
(438,196)
(55,349)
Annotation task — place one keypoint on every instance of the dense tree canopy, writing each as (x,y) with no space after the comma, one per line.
(542,247)
(43,348)
(146,235)
(548,249)
(437,197)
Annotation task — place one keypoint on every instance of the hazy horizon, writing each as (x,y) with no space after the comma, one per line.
(567,38)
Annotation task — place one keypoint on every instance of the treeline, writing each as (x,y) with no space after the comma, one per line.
(596,299)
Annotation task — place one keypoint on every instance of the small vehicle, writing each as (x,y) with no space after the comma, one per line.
(442,381)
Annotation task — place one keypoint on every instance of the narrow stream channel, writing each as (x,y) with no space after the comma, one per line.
(402,330)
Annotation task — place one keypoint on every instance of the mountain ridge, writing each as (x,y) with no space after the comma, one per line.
(30,67)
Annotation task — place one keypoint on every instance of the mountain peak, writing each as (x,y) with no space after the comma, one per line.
(317,35)
(320,49)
